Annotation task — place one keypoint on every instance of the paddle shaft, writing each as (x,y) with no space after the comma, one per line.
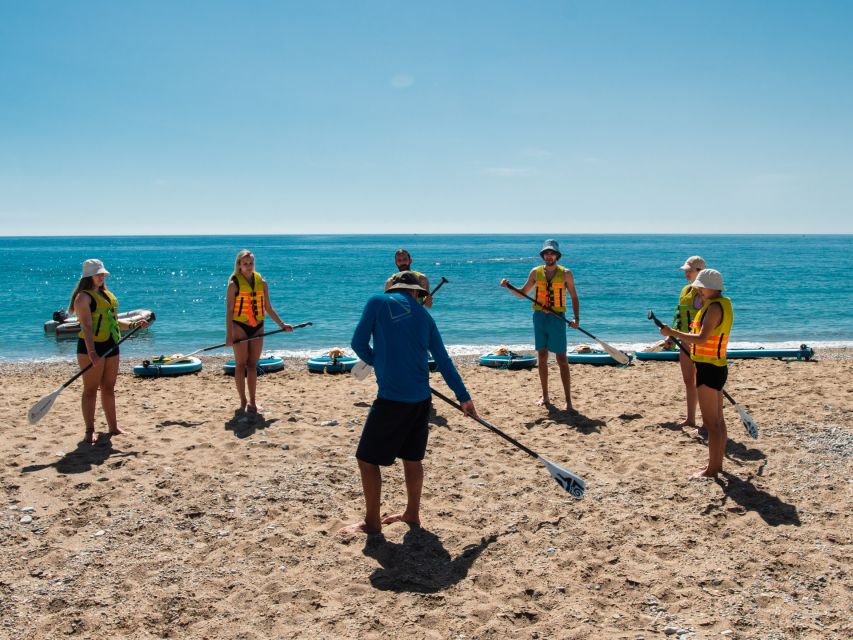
(439,286)
(488,425)
(556,313)
(681,346)
(268,333)
(108,352)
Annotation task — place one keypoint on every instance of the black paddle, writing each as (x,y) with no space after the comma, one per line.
(39,409)
(748,422)
(438,286)
(617,355)
(268,333)
(572,483)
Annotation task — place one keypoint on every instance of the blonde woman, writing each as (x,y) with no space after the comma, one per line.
(689,304)
(247,304)
(100,329)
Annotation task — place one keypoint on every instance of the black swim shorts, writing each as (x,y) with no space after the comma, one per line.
(100,347)
(395,430)
(711,375)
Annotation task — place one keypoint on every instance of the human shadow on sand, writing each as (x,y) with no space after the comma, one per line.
(85,457)
(582,424)
(771,509)
(437,420)
(420,564)
(244,424)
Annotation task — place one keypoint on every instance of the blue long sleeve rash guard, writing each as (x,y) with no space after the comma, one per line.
(402,332)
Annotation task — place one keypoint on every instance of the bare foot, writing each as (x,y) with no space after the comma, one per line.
(116,431)
(701,433)
(251,408)
(89,436)
(687,423)
(402,517)
(703,475)
(359,527)
(543,402)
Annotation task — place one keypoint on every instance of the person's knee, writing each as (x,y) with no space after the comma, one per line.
(562,359)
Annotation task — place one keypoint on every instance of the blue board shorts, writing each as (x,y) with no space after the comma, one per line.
(549,332)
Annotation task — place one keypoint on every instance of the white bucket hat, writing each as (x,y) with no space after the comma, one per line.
(693,262)
(709,279)
(93,267)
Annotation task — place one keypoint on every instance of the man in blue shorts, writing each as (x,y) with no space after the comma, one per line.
(552,282)
(397,424)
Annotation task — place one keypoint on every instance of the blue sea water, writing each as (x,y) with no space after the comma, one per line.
(786,290)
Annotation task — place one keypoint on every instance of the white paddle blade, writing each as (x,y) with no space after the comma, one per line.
(617,355)
(748,422)
(39,409)
(565,478)
(361,370)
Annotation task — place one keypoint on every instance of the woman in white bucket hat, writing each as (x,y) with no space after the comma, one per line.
(708,339)
(100,329)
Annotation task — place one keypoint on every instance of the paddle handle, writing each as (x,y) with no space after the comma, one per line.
(439,286)
(151,318)
(488,425)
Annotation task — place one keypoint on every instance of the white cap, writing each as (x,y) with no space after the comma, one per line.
(709,279)
(93,267)
(693,262)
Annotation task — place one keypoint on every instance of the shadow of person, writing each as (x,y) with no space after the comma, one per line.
(245,424)
(771,509)
(437,420)
(420,564)
(85,457)
(738,451)
(573,418)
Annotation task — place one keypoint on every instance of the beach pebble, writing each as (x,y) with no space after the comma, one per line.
(728,633)
(99,533)
(28,509)
(329,423)
(26,519)
(285,446)
(670,630)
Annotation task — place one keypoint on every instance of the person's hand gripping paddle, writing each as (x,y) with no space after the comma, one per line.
(748,423)
(361,369)
(40,409)
(570,482)
(617,355)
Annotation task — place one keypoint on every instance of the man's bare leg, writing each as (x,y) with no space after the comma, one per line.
(543,377)
(371,483)
(414,473)
(565,376)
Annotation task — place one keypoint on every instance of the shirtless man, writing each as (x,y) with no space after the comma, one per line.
(552,282)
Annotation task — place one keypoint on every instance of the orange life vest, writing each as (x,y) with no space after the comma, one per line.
(713,350)
(249,302)
(550,293)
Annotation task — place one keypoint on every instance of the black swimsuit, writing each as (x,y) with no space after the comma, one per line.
(249,329)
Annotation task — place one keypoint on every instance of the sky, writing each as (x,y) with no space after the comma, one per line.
(279,117)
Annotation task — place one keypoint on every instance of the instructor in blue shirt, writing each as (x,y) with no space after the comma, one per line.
(397,424)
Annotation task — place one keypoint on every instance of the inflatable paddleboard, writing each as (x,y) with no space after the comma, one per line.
(265,365)
(508,361)
(594,357)
(327,364)
(176,365)
(803,353)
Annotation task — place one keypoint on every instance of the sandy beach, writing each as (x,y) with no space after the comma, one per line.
(200,524)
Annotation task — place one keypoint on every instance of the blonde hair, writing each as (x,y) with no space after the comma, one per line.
(240,256)
(83,284)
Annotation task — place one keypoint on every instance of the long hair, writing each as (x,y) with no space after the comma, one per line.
(240,256)
(83,284)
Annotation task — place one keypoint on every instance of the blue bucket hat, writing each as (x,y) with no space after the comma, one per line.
(551,245)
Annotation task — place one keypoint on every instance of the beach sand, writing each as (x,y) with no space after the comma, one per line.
(196,524)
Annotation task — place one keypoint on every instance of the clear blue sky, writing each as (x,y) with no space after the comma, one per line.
(156,117)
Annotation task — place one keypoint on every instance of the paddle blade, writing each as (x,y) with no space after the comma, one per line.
(617,355)
(569,481)
(39,409)
(748,422)
(361,370)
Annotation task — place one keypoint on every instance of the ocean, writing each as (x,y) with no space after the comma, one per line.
(786,289)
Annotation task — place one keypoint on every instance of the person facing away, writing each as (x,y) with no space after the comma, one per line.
(708,339)
(689,304)
(100,330)
(397,424)
(247,304)
(552,282)
(403,260)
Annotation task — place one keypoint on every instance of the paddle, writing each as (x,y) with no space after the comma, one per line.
(361,369)
(748,422)
(569,481)
(39,409)
(268,333)
(617,355)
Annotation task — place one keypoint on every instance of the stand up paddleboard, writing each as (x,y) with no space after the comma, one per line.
(803,353)
(162,366)
(265,365)
(508,361)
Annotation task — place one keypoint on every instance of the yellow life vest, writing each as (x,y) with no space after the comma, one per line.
(249,302)
(713,350)
(104,317)
(685,312)
(550,293)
